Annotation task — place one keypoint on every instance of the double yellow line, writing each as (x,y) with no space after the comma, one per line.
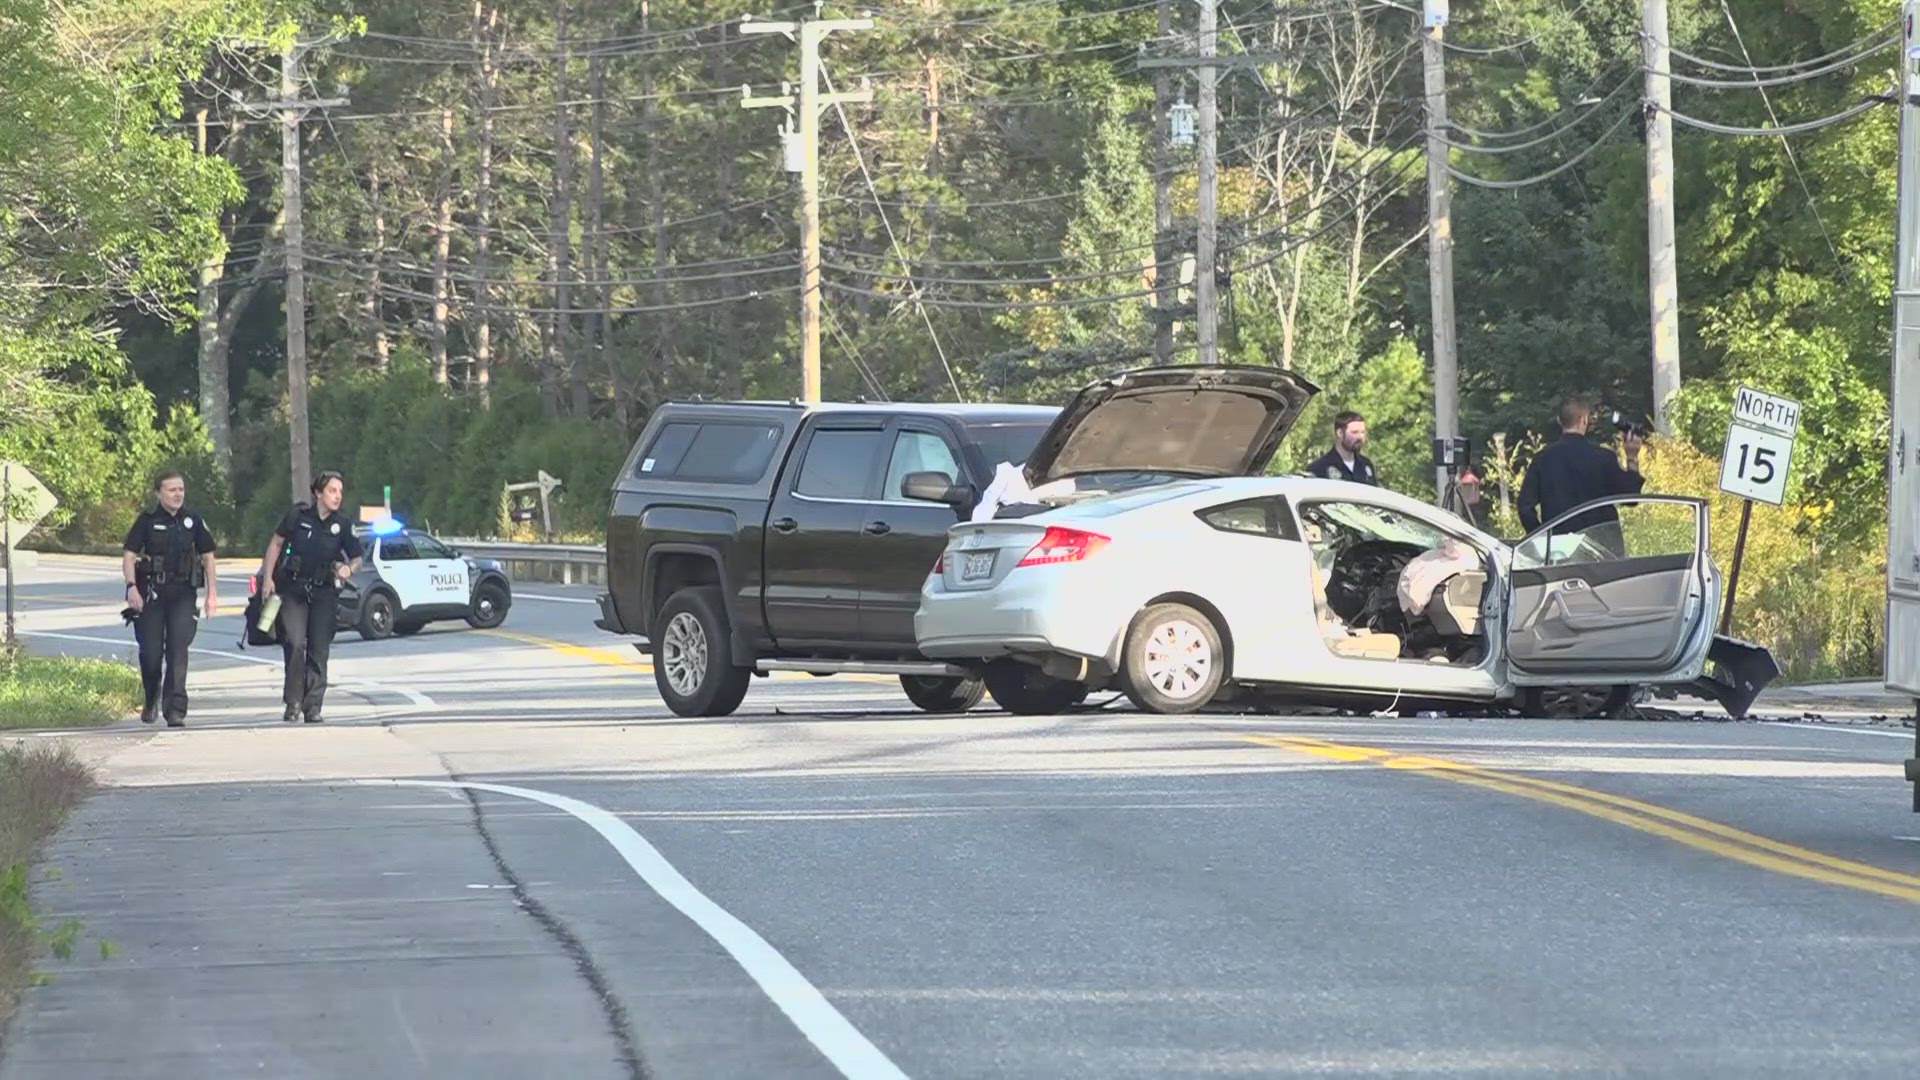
(1695,832)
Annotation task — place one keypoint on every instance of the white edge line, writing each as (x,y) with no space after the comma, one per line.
(553,599)
(1907,735)
(823,1025)
(418,699)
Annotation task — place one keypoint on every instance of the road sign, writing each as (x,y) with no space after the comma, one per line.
(29,501)
(1759,447)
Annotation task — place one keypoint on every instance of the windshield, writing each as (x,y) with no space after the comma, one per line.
(1011,443)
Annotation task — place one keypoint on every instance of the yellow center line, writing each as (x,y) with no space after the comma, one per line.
(598,656)
(614,659)
(1688,829)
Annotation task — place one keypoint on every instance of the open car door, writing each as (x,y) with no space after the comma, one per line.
(1618,590)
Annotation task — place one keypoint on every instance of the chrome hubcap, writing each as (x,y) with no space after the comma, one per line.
(683,653)
(1178,659)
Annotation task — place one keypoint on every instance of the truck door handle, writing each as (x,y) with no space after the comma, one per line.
(785,525)
(878,528)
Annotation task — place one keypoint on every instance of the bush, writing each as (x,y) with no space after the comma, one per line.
(38,787)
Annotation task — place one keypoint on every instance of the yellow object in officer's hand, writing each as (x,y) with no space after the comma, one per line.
(269,611)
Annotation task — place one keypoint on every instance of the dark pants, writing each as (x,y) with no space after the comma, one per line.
(307,629)
(165,630)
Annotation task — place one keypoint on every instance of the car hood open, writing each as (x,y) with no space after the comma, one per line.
(1219,420)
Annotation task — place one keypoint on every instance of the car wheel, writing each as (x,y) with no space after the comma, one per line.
(407,629)
(1174,662)
(376,617)
(1025,690)
(693,655)
(489,607)
(938,694)
(1575,702)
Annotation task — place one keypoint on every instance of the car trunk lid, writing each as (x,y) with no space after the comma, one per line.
(1187,420)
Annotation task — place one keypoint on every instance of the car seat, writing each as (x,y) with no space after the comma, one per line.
(1455,607)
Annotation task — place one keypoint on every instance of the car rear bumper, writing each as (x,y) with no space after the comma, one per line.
(1008,621)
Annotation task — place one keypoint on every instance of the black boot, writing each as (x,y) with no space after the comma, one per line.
(291,716)
(313,717)
(149,713)
(176,721)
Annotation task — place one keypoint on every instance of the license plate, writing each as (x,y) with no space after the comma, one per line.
(975,565)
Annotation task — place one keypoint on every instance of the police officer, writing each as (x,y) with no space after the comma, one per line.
(167,559)
(1572,471)
(1345,461)
(313,550)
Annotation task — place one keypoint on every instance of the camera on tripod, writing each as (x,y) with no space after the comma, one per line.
(1454,455)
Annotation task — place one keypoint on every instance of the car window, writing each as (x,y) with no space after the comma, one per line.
(721,452)
(1343,523)
(839,463)
(918,451)
(1011,443)
(397,548)
(428,547)
(1640,530)
(1110,505)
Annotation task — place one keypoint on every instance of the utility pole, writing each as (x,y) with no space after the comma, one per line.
(1662,274)
(809,102)
(1165,293)
(1206,315)
(293,109)
(1446,360)
(1206,301)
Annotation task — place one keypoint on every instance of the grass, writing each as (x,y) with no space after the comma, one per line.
(39,786)
(58,691)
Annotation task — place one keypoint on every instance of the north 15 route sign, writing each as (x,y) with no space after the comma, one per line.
(1759,446)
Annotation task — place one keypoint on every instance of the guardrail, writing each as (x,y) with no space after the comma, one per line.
(567,564)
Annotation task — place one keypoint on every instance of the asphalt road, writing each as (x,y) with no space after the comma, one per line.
(826,885)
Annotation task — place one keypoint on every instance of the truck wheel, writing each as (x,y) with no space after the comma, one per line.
(489,607)
(1174,662)
(1025,690)
(936,694)
(376,617)
(693,655)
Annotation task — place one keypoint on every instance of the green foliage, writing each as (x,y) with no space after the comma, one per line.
(446,457)
(39,786)
(53,692)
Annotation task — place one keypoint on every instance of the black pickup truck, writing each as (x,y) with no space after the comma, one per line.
(746,538)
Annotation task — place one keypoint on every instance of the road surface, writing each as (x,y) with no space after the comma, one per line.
(501,856)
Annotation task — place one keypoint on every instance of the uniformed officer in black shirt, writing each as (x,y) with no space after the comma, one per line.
(168,557)
(1572,471)
(1345,461)
(320,551)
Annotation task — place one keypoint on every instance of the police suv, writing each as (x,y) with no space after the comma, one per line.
(409,579)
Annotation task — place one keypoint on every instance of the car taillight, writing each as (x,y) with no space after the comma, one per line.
(940,564)
(1061,545)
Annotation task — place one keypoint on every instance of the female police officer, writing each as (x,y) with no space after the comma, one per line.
(167,558)
(320,551)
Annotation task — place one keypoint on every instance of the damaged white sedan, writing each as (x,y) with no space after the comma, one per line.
(1187,592)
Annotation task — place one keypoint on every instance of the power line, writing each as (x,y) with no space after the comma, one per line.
(685,305)
(1584,111)
(1757,81)
(1494,50)
(1785,145)
(1749,68)
(1787,129)
(853,140)
(1509,185)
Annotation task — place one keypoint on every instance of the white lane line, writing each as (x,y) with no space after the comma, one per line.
(1907,735)
(418,699)
(817,1019)
(554,599)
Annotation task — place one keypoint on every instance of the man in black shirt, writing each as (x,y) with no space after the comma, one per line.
(320,551)
(167,557)
(1572,471)
(1345,461)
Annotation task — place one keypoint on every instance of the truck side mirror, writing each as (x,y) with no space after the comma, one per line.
(935,487)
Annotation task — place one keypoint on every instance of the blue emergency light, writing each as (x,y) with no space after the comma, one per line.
(386,526)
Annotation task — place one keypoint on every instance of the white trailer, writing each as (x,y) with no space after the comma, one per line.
(1902,665)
